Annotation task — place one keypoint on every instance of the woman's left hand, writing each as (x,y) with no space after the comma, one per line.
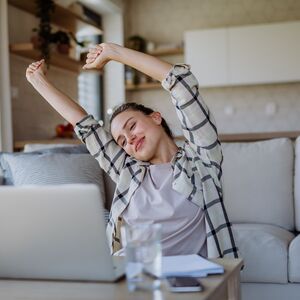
(98,56)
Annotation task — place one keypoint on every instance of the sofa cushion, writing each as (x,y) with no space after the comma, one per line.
(294,260)
(297,183)
(264,249)
(258,182)
(49,168)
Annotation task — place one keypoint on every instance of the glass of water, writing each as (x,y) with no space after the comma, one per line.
(143,256)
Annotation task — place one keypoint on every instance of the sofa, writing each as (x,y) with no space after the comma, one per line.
(261,196)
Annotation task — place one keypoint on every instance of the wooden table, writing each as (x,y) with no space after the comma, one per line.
(221,287)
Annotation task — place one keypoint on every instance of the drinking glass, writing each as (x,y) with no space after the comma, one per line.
(143,256)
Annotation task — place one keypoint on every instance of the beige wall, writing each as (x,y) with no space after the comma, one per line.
(236,109)
(33,118)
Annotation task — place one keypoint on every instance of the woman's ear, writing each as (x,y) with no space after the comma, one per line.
(156,117)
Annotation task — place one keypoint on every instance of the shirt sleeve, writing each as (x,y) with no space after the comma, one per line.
(197,122)
(101,145)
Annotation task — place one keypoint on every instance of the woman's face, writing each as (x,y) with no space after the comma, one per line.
(138,134)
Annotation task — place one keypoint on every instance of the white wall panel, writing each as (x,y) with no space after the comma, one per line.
(264,53)
(207,52)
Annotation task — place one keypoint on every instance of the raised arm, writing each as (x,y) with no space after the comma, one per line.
(64,105)
(197,122)
(145,63)
(98,141)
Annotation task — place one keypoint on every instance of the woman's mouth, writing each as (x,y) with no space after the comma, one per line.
(139,144)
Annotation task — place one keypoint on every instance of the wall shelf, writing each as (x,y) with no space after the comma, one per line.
(58,60)
(166,52)
(19,145)
(61,17)
(252,137)
(143,86)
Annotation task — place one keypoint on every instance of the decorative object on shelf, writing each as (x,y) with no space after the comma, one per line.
(150,46)
(62,40)
(143,78)
(137,81)
(131,76)
(64,131)
(137,43)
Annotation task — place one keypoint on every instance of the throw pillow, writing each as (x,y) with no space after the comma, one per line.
(52,168)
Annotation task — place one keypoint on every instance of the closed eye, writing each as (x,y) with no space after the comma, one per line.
(132,126)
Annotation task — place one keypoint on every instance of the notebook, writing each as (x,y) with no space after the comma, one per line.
(189,265)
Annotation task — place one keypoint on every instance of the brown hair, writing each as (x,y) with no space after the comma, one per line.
(145,110)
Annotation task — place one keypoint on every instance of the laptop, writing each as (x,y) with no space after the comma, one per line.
(55,233)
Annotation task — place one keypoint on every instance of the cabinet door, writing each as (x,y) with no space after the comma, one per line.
(255,54)
(264,53)
(207,53)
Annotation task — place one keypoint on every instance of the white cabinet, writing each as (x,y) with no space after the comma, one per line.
(253,54)
(207,52)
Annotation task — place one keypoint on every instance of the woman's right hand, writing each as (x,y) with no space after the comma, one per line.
(36,70)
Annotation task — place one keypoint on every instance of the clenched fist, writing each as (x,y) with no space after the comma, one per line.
(99,56)
(36,70)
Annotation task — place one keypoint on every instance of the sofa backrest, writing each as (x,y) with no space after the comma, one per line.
(258,182)
(297,183)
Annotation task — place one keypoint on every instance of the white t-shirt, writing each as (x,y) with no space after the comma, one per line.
(183,222)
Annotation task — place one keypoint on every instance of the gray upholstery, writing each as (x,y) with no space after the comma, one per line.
(294,260)
(259,176)
(264,249)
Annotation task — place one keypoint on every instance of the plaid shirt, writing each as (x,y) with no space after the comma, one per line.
(197,168)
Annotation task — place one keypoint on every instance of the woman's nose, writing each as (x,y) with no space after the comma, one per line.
(130,139)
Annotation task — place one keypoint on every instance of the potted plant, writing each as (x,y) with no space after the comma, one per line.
(45,35)
(62,40)
(44,10)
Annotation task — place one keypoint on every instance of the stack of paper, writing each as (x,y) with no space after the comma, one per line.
(189,265)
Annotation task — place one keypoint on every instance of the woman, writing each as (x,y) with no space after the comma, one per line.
(156,180)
